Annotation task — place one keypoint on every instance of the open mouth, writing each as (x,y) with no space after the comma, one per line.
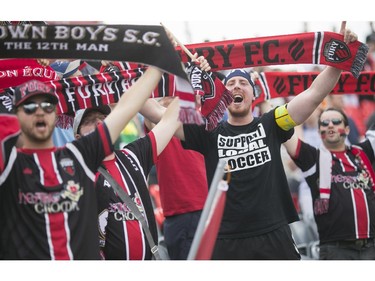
(40,124)
(330,132)
(237,99)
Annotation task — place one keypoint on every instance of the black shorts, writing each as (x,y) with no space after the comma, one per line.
(179,233)
(274,245)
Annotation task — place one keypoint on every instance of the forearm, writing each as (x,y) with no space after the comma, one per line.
(167,126)
(291,145)
(324,83)
(132,101)
(164,131)
(152,110)
(303,105)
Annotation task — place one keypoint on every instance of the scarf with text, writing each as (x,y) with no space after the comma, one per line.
(285,84)
(107,87)
(150,45)
(14,72)
(146,44)
(326,48)
(214,96)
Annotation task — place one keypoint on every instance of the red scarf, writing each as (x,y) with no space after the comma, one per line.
(327,48)
(14,72)
(107,87)
(285,84)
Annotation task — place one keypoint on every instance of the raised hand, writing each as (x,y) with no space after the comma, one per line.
(349,36)
(203,63)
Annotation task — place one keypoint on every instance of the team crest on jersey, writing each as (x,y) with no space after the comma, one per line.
(68,165)
(73,191)
(137,200)
(336,51)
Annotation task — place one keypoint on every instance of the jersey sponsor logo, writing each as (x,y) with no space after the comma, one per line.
(121,211)
(53,202)
(68,166)
(361,181)
(244,151)
(73,191)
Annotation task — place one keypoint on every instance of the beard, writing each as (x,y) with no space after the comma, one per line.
(239,112)
(34,137)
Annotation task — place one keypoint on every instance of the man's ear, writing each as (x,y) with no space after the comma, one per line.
(77,136)
(347,130)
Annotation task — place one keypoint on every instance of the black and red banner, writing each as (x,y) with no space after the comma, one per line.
(147,44)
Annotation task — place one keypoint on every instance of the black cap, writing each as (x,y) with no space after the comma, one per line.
(33,88)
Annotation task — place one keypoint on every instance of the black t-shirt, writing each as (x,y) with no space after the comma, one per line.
(258,198)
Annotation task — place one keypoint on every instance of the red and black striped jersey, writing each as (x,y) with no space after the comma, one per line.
(121,234)
(351,211)
(48,206)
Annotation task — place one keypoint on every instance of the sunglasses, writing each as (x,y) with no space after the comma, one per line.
(335,121)
(31,108)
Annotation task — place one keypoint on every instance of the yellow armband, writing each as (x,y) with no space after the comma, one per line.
(283,119)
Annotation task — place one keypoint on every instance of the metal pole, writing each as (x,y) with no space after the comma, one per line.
(206,210)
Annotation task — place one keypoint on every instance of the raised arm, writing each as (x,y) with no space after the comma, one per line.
(132,101)
(302,106)
(154,112)
(169,123)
